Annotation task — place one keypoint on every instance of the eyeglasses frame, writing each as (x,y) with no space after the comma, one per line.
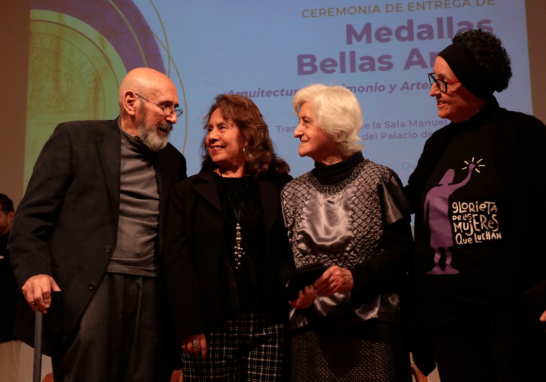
(172,109)
(433,80)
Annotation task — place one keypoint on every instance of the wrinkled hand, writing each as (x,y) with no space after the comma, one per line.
(305,298)
(37,291)
(543,317)
(333,280)
(187,345)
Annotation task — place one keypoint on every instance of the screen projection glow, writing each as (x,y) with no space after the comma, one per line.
(381,51)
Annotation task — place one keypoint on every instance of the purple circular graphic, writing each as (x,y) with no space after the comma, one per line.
(107,20)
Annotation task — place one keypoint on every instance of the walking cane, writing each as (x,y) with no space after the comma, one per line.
(38,327)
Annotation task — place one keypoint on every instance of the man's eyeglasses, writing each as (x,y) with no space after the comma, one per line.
(441,84)
(167,110)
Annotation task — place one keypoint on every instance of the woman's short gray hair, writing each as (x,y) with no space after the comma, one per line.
(337,113)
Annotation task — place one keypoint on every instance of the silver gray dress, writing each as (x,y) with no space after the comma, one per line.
(345,225)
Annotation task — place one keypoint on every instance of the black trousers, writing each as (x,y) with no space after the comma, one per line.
(120,336)
(507,347)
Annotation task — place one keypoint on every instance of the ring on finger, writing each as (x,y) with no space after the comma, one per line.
(195,345)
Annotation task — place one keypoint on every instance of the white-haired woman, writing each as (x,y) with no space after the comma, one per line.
(348,214)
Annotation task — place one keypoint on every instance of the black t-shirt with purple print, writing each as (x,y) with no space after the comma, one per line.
(465,238)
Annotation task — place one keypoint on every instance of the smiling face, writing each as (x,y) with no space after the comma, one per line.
(225,145)
(314,143)
(143,94)
(154,134)
(458,104)
(152,123)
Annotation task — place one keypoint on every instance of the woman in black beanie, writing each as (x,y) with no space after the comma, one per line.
(479,198)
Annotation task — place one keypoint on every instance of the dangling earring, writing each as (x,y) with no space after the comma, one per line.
(244,149)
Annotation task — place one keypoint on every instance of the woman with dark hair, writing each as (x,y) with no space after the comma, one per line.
(479,199)
(349,215)
(227,251)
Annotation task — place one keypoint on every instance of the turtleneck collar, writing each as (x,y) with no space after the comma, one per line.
(481,118)
(335,173)
(135,144)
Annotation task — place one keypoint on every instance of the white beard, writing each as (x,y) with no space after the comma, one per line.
(149,136)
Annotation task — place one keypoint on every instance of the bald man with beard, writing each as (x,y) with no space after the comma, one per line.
(91,225)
